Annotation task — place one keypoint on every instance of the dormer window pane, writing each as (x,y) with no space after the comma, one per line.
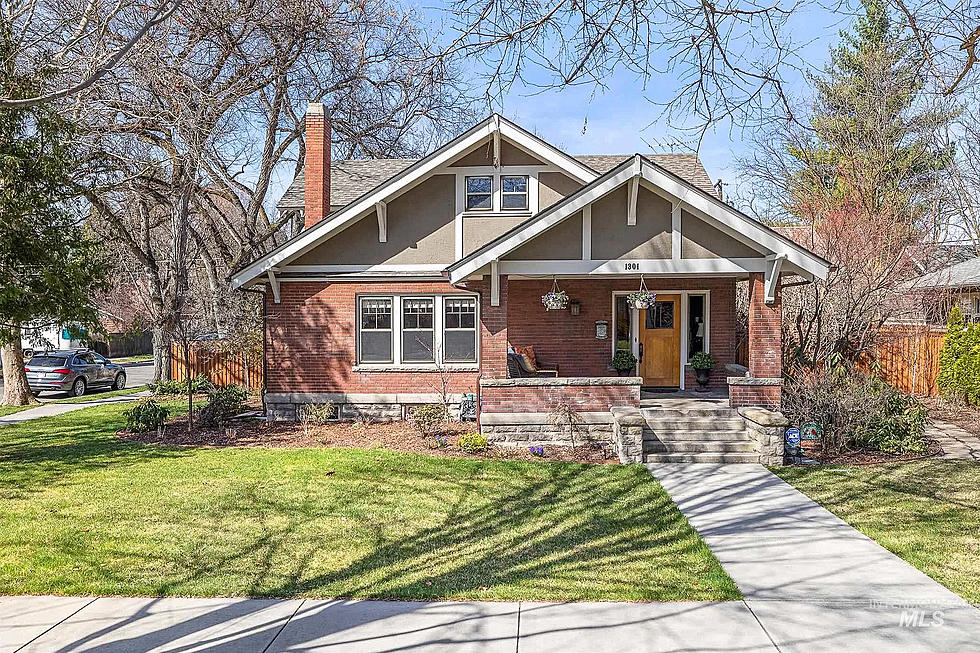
(514,192)
(478,193)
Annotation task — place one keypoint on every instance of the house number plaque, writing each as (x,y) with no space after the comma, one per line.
(631,267)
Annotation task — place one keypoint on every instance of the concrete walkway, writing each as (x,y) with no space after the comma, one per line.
(957,443)
(812,581)
(51,409)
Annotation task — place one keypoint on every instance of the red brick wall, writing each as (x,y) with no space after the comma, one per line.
(765,396)
(765,331)
(317,166)
(493,331)
(311,339)
(543,399)
(569,340)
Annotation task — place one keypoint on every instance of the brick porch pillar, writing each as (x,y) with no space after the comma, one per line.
(493,332)
(763,385)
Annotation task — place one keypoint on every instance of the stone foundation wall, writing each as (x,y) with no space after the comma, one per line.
(768,429)
(529,429)
(284,406)
(628,426)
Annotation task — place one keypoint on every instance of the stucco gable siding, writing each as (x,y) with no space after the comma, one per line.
(563,242)
(701,240)
(553,187)
(510,155)
(421,229)
(649,238)
(479,230)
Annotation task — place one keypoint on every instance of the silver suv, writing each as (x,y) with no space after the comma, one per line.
(73,372)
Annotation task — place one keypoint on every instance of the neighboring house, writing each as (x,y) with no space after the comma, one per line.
(410,273)
(935,293)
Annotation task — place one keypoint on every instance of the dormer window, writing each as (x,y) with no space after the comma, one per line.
(513,193)
(479,193)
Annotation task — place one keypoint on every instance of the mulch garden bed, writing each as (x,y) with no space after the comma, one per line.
(866,456)
(963,416)
(396,436)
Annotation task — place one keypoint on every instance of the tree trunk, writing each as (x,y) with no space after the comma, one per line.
(16,391)
(162,344)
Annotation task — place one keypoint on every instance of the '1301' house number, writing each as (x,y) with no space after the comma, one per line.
(631,266)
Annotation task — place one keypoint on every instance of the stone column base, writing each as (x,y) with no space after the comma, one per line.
(768,429)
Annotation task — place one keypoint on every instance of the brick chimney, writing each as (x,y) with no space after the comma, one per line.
(317,165)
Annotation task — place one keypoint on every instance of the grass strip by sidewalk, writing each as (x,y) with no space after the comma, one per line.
(926,512)
(83,512)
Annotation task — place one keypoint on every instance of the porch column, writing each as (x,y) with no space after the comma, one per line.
(493,332)
(763,385)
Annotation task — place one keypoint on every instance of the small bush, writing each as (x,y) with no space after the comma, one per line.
(425,418)
(702,361)
(146,415)
(624,361)
(473,442)
(855,410)
(959,360)
(225,402)
(201,385)
(311,415)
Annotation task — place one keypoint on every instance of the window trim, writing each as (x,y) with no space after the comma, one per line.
(467,193)
(402,329)
(526,193)
(475,330)
(360,328)
(396,363)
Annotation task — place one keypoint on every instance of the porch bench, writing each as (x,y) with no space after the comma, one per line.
(517,368)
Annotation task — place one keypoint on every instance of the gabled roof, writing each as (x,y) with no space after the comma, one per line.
(351,178)
(961,275)
(404,180)
(703,203)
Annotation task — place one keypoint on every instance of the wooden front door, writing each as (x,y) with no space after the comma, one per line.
(660,336)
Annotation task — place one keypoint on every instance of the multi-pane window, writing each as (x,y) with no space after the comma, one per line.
(418,345)
(513,194)
(417,330)
(459,330)
(479,193)
(376,330)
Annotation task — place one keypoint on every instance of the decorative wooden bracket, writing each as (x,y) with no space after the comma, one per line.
(382,209)
(774,264)
(496,141)
(274,284)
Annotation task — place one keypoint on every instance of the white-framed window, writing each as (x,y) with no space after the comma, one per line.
(411,330)
(479,193)
(459,329)
(514,193)
(375,328)
(418,330)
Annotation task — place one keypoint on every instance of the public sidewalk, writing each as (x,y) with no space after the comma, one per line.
(814,582)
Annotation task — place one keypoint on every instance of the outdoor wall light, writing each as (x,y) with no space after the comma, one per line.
(576,308)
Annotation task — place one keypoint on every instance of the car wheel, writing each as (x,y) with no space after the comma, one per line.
(120,382)
(78,388)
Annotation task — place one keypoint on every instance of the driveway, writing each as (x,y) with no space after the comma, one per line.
(814,582)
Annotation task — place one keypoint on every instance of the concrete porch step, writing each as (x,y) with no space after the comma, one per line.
(697,434)
(658,425)
(727,458)
(729,446)
(671,413)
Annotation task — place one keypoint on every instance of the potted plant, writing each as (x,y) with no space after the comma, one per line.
(624,362)
(554,300)
(641,299)
(702,362)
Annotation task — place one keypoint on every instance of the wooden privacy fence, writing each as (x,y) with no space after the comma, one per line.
(219,367)
(908,357)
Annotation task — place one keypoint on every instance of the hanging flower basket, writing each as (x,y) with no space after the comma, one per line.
(641,299)
(555,300)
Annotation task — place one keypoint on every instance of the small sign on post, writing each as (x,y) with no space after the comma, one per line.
(793,441)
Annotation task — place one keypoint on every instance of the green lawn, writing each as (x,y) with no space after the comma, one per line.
(98,393)
(926,512)
(82,512)
(10,410)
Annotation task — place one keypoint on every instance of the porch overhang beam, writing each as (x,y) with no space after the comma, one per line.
(774,265)
(632,268)
(382,210)
(274,285)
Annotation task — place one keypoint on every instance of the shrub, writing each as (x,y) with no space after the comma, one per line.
(854,409)
(959,360)
(623,361)
(225,402)
(200,384)
(473,442)
(424,418)
(311,415)
(146,415)
(702,361)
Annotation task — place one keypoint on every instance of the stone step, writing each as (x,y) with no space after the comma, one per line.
(697,434)
(696,424)
(678,413)
(732,458)
(731,446)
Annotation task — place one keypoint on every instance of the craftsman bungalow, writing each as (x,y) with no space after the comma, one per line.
(415,275)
